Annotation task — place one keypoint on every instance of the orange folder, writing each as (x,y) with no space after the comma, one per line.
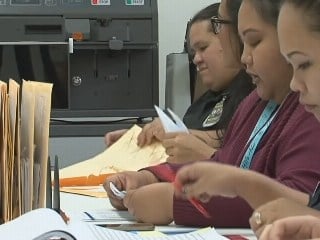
(91,180)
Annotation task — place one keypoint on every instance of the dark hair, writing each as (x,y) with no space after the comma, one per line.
(203,15)
(268,9)
(240,87)
(311,10)
(232,7)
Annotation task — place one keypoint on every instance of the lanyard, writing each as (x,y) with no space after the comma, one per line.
(259,130)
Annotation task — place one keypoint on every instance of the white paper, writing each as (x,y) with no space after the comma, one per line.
(107,216)
(93,232)
(168,124)
(31,225)
(39,221)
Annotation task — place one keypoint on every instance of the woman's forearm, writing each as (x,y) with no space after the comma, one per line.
(209,137)
(258,189)
(146,177)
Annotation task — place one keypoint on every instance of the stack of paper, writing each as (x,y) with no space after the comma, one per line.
(24,146)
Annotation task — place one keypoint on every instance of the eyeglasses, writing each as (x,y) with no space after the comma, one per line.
(216,23)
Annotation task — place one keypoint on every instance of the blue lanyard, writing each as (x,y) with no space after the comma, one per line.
(259,130)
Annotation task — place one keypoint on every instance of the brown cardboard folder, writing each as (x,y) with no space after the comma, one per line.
(24,137)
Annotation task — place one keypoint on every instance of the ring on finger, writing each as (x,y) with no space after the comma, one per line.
(184,190)
(257,218)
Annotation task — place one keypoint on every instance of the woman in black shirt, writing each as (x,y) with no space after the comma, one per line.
(208,116)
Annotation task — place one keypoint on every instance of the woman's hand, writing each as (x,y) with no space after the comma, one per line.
(185,147)
(274,210)
(150,132)
(203,180)
(111,137)
(293,228)
(128,180)
(151,203)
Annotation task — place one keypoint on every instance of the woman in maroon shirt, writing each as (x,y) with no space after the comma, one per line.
(253,187)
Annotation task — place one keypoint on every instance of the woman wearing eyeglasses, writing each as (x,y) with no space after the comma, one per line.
(226,28)
(209,115)
(265,141)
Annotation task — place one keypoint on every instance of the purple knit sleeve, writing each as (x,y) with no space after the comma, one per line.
(298,165)
(225,212)
(160,171)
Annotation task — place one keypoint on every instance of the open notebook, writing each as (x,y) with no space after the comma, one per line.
(44,224)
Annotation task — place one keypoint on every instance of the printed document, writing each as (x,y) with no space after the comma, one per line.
(23,228)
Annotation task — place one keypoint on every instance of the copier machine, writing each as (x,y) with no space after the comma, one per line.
(100,55)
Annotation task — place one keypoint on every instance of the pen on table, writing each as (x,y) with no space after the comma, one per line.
(56,186)
(49,186)
(89,215)
(56,191)
(170,175)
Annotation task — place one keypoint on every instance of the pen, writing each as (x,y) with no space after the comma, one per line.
(49,186)
(89,215)
(56,186)
(56,191)
(171,177)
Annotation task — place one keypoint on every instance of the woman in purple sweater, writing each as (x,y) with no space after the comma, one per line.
(270,134)
(206,180)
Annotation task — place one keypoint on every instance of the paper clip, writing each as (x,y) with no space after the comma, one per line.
(116,191)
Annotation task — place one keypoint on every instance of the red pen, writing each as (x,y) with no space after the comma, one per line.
(169,174)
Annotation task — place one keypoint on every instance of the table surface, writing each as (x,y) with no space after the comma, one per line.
(71,203)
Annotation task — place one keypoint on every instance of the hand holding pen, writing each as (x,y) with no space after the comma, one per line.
(192,200)
(171,177)
(203,180)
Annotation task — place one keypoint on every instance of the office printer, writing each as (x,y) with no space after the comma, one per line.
(101,56)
